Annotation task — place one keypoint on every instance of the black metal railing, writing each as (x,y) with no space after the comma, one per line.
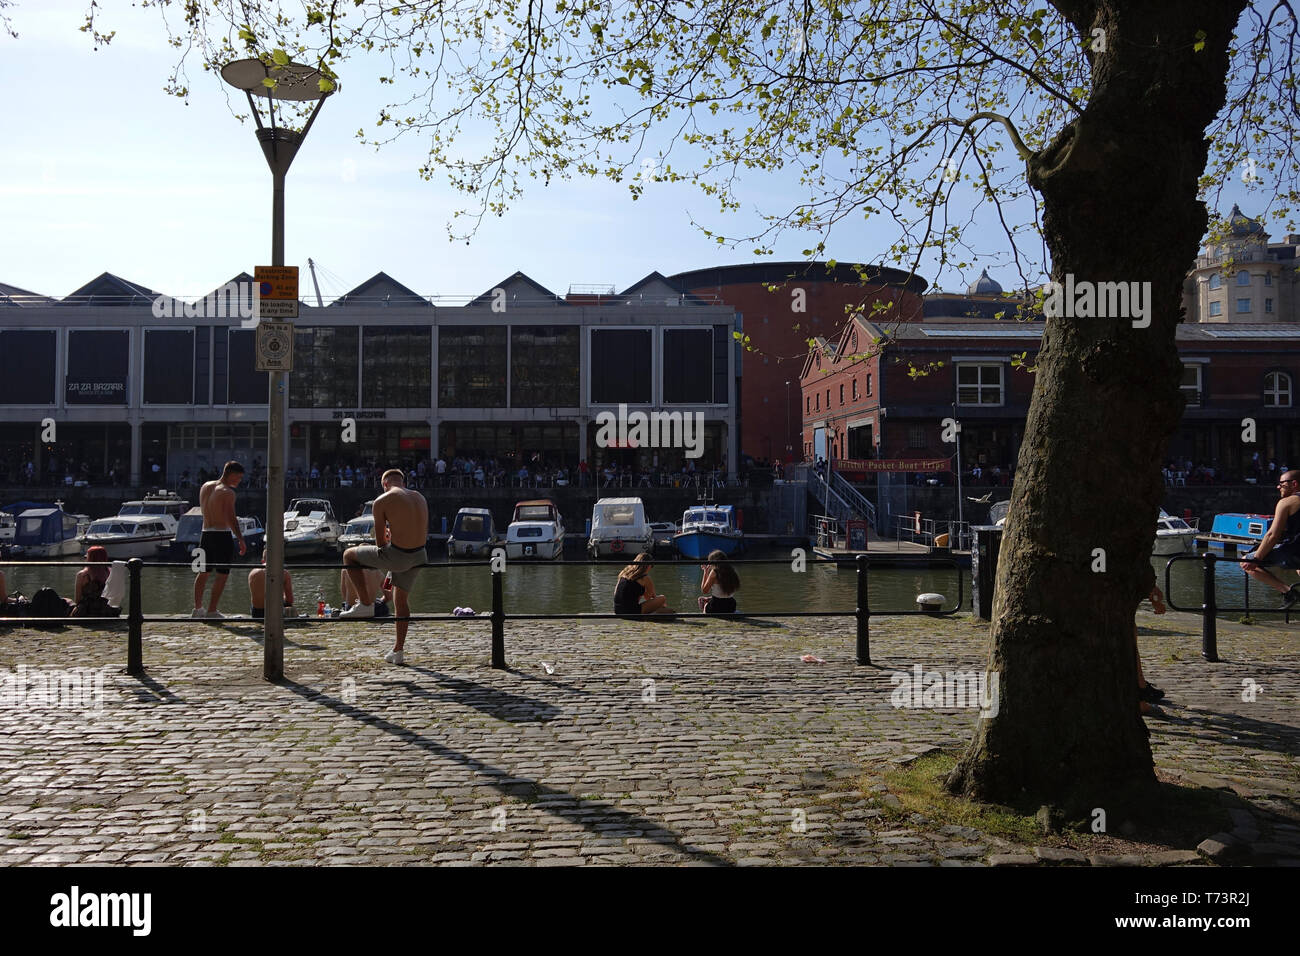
(135,618)
(1209,608)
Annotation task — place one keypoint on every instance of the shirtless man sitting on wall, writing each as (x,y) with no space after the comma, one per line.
(217,502)
(401,529)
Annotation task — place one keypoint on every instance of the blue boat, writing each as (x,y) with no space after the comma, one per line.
(708,528)
(1242,530)
(43,531)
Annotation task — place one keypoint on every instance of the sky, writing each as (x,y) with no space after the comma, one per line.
(101,170)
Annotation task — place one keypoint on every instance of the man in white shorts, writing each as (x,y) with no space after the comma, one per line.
(401,530)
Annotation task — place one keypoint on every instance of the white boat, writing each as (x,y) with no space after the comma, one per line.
(618,528)
(167,505)
(1173,534)
(7,526)
(46,531)
(535,531)
(310,527)
(358,531)
(128,536)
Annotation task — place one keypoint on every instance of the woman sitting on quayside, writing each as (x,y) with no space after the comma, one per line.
(635,593)
(719,585)
(89,587)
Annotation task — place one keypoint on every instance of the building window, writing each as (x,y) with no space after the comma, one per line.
(621,361)
(1216,308)
(169,366)
(396,366)
(27,370)
(244,384)
(1216,280)
(841,394)
(1268,278)
(1243,277)
(97,367)
(1243,305)
(544,366)
(808,406)
(916,436)
(979,384)
(688,366)
(855,388)
(868,385)
(1277,390)
(1268,305)
(1191,387)
(472,366)
(817,407)
(828,398)
(324,367)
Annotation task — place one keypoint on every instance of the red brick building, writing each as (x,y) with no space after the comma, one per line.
(809,300)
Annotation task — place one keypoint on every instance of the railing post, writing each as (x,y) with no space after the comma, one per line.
(863,614)
(135,621)
(1209,608)
(498,622)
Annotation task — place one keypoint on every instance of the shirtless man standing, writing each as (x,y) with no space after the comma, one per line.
(1281,545)
(217,502)
(401,529)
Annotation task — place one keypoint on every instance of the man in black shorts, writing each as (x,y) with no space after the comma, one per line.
(217,502)
(1281,545)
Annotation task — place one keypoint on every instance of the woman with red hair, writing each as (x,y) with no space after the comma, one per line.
(89,593)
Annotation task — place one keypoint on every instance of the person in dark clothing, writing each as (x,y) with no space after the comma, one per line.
(635,592)
(719,585)
(89,587)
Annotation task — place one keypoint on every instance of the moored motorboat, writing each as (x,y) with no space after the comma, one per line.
(473,534)
(45,531)
(618,528)
(128,536)
(536,531)
(707,528)
(1173,535)
(190,530)
(310,527)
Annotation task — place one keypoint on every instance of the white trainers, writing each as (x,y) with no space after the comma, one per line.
(215,616)
(359,610)
(198,612)
(394,657)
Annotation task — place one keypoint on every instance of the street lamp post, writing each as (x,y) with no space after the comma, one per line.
(787,421)
(298,83)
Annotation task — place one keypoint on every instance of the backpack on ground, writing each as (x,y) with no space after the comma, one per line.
(47,603)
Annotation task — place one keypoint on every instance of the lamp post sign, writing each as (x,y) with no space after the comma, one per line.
(274,347)
(277,292)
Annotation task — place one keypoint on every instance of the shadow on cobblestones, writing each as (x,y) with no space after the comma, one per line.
(154,693)
(514,786)
(1233,730)
(488,700)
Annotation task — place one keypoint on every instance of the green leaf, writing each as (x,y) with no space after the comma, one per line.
(280,57)
(1199,45)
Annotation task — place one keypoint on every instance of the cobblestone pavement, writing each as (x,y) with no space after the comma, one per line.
(645,742)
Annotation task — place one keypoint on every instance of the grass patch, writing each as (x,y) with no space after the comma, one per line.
(919,788)
(1176,817)
(18,835)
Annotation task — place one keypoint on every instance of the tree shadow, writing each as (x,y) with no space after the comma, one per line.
(652,831)
(1232,730)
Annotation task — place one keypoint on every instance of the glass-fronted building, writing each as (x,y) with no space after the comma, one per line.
(517,374)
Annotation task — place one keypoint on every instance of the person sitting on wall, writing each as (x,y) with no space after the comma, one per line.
(635,593)
(257,590)
(88,590)
(718,586)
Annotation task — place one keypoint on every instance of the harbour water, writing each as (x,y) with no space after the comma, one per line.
(544,588)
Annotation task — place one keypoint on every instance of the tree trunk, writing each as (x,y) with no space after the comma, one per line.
(1119,191)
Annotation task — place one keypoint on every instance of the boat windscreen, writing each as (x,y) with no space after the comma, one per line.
(533,513)
(470,526)
(620,515)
